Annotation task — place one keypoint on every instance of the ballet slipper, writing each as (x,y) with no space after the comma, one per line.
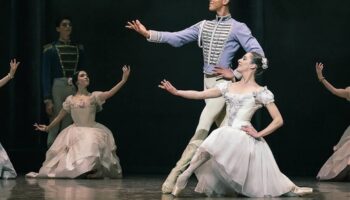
(166,188)
(31,175)
(299,191)
(180,185)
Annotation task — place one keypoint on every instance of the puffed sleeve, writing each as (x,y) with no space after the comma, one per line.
(67,104)
(223,87)
(99,100)
(265,97)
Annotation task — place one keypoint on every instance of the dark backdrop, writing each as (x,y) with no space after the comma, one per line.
(151,127)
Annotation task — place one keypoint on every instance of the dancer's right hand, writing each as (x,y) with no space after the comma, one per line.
(166,85)
(138,27)
(49,108)
(41,127)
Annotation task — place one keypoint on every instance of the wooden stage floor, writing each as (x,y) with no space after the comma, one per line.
(138,187)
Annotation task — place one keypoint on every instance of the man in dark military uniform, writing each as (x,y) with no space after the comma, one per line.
(60,60)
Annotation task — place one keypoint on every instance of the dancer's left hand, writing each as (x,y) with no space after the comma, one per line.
(227,73)
(250,130)
(126,72)
(13,67)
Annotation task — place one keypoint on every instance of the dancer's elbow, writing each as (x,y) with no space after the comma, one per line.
(279,122)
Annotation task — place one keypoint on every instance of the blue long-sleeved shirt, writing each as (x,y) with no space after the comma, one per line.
(219,39)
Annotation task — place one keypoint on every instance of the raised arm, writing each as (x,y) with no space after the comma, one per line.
(190,94)
(44,128)
(343,93)
(277,121)
(175,39)
(13,67)
(108,94)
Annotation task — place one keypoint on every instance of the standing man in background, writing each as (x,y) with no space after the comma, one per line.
(60,60)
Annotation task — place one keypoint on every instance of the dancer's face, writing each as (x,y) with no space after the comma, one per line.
(245,63)
(215,5)
(65,28)
(83,79)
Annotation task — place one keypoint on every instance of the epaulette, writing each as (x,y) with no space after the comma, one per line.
(47,47)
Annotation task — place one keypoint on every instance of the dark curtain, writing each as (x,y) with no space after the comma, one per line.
(151,127)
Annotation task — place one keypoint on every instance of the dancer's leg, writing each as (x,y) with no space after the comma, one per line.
(211,112)
(182,180)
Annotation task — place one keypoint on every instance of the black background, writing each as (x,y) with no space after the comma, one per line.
(151,127)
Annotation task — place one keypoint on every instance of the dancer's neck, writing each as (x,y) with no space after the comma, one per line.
(82,92)
(248,79)
(222,12)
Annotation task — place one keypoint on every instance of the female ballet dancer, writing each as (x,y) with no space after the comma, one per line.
(6,167)
(337,166)
(85,149)
(235,158)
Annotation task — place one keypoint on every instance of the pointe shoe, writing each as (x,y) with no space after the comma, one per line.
(176,191)
(180,185)
(167,188)
(31,175)
(170,181)
(301,191)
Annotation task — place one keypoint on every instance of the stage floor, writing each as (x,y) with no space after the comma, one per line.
(137,187)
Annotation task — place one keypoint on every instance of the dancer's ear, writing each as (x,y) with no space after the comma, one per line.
(226,2)
(252,66)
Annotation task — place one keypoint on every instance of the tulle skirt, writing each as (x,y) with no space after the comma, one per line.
(6,168)
(79,150)
(337,167)
(240,164)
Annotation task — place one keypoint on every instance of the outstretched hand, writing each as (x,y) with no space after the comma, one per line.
(319,69)
(13,67)
(250,130)
(138,27)
(41,127)
(166,85)
(126,72)
(227,73)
